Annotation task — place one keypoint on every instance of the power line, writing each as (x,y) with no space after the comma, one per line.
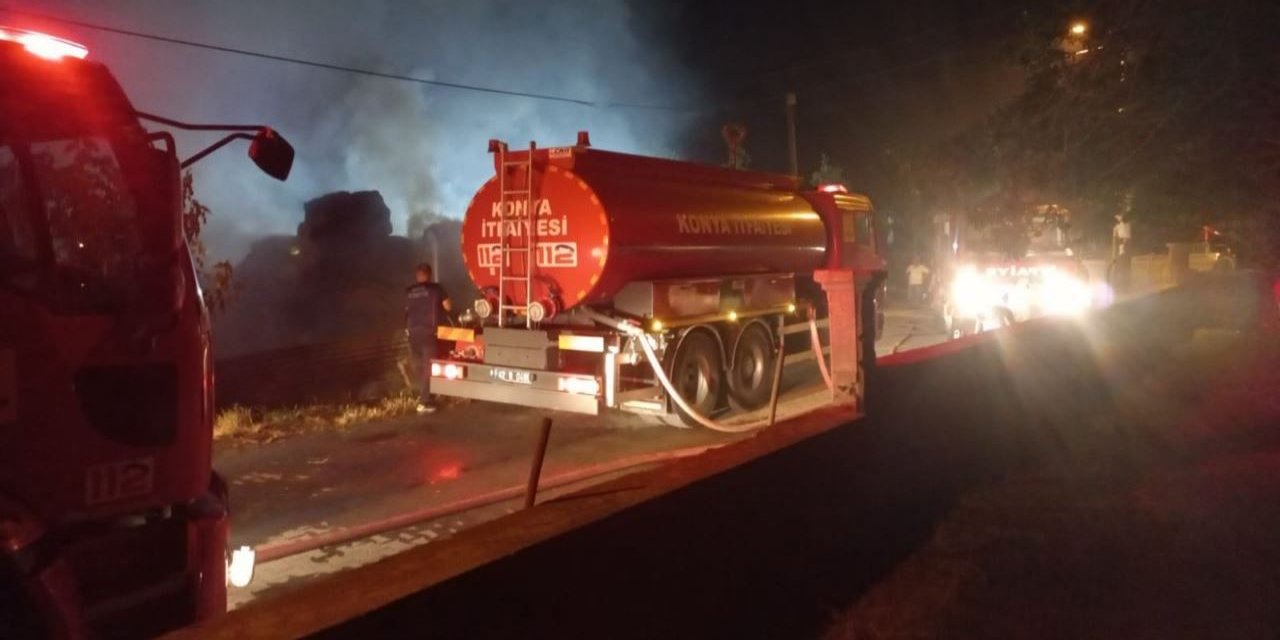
(327,65)
(721,107)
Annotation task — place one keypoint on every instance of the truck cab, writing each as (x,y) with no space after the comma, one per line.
(112,522)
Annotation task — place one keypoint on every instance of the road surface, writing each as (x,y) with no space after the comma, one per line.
(315,484)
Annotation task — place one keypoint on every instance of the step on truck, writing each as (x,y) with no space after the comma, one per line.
(112,521)
(601,273)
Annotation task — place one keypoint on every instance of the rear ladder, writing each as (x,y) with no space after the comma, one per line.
(508,213)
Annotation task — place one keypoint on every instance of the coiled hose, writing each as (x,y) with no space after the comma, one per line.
(655,363)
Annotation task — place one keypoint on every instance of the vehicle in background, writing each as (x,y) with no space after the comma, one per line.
(112,522)
(1212,253)
(1011,273)
(602,273)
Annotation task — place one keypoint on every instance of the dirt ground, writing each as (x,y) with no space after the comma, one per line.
(1156,519)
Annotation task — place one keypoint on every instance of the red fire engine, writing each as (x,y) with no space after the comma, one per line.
(112,522)
(602,273)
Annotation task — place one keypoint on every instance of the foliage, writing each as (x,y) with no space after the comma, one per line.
(1169,111)
(216,279)
(828,173)
(244,424)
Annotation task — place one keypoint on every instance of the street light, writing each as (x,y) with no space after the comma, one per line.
(1079,28)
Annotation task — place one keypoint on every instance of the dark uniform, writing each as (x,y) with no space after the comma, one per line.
(423,312)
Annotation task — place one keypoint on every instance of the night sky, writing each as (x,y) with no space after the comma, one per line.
(662,77)
(870,77)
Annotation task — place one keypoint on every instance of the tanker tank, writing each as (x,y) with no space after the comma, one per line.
(601,220)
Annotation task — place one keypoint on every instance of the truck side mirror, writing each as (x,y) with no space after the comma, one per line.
(272,153)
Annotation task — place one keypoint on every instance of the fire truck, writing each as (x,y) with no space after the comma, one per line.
(112,522)
(610,281)
(1007,273)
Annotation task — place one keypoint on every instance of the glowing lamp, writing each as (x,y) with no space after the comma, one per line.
(580,386)
(44,45)
(240,567)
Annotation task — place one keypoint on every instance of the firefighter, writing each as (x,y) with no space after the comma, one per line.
(426,306)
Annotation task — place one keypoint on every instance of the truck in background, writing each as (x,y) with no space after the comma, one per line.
(996,276)
(601,274)
(112,521)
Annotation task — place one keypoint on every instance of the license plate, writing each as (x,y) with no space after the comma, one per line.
(513,376)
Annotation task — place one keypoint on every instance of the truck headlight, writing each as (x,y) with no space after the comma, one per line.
(1062,294)
(972,293)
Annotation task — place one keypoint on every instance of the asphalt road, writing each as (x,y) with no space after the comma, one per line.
(315,484)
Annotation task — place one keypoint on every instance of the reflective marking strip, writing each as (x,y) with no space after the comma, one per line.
(596,276)
(582,293)
(570,342)
(610,379)
(459,334)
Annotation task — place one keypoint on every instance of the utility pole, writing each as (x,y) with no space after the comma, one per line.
(791,133)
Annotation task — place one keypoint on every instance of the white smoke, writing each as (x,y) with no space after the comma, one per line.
(423,147)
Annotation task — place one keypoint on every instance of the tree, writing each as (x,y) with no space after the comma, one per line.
(216,279)
(1169,108)
(827,173)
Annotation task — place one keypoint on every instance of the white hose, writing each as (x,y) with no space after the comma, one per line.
(656,364)
(680,402)
(816,343)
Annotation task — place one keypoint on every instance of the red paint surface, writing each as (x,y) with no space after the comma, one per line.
(604,219)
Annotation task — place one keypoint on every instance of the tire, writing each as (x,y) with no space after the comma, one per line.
(751,375)
(1005,316)
(697,373)
(962,327)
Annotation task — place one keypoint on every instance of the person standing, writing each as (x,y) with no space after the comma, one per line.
(1121,233)
(916,275)
(426,306)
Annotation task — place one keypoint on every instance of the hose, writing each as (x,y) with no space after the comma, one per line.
(816,343)
(273,551)
(656,364)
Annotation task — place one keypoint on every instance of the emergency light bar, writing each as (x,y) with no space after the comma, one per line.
(44,45)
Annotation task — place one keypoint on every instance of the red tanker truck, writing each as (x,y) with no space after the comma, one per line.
(112,521)
(594,266)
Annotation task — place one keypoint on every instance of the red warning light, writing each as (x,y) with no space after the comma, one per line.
(43,44)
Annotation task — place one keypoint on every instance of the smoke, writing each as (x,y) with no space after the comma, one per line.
(389,143)
(422,147)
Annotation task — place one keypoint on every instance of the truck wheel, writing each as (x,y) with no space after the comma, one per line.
(1006,317)
(751,376)
(698,375)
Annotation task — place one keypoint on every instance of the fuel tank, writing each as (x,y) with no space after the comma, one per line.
(599,220)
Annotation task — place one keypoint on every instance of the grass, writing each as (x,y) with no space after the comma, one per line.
(244,424)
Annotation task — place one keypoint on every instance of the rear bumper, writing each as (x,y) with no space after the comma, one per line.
(543,392)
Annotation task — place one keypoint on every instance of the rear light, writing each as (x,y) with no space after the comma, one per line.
(580,386)
(448,371)
(44,45)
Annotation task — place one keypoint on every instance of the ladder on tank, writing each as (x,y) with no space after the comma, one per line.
(509,201)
